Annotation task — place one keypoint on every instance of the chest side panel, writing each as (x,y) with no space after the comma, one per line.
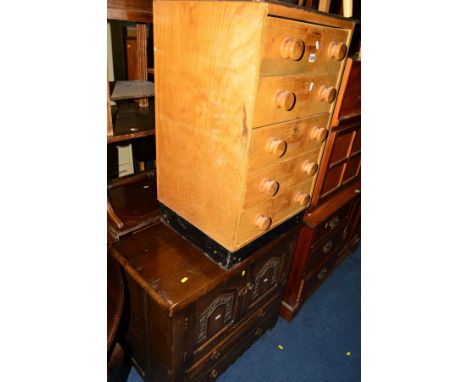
(206,57)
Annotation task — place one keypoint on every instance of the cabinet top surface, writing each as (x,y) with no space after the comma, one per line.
(169,268)
(284,9)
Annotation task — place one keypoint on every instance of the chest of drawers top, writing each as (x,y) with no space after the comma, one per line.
(244,94)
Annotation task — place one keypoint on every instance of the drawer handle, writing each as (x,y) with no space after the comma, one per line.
(309,167)
(258,332)
(245,289)
(285,99)
(262,222)
(318,134)
(277,147)
(214,373)
(337,50)
(302,198)
(322,274)
(292,49)
(327,94)
(215,355)
(345,233)
(333,223)
(270,187)
(327,247)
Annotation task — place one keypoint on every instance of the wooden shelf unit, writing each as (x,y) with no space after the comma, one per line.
(131,200)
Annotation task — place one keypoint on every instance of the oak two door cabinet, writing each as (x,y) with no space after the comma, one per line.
(188,318)
(244,93)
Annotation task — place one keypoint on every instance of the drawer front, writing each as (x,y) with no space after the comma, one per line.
(329,246)
(246,331)
(294,47)
(332,222)
(296,137)
(283,98)
(258,219)
(317,276)
(282,178)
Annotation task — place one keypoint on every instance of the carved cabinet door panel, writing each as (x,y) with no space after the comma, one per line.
(212,317)
(269,271)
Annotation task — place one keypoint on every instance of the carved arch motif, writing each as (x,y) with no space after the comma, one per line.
(224,299)
(272,263)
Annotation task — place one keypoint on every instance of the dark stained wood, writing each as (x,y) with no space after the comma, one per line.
(190,319)
(132,121)
(115,298)
(134,203)
(341,160)
(110,129)
(348,103)
(132,89)
(323,239)
(130,10)
(115,301)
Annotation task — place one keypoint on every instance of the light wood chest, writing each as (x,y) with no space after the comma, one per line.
(244,93)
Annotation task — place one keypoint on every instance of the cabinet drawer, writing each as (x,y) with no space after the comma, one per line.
(332,222)
(329,246)
(282,178)
(317,276)
(246,333)
(275,210)
(294,47)
(295,137)
(283,98)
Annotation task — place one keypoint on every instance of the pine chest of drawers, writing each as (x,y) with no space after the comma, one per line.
(244,93)
(188,319)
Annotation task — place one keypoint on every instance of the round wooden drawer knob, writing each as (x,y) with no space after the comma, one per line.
(337,50)
(292,48)
(302,198)
(269,186)
(310,167)
(318,133)
(285,100)
(277,147)
(327,94)
(262,222)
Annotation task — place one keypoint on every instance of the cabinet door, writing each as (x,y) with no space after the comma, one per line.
(341,162)
(269,271)
(213,316)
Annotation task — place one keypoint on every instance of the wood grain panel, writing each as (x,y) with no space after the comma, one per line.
(207,59)
(287,173)
(296,134)
(130,10)
(278,209)
(316,40)
(306,90)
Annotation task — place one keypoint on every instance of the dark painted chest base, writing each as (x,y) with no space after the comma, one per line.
(216,252)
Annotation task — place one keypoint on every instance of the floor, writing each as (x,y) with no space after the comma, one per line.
(321,344)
